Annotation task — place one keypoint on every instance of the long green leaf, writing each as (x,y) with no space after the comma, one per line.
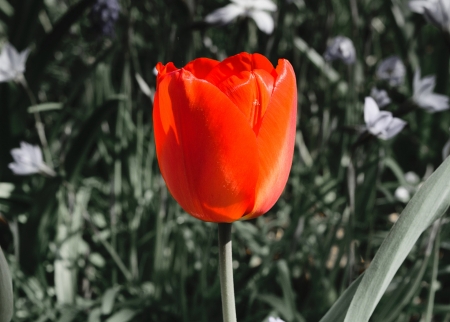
(427,205)
(45,107)
(337,312)
(6,293)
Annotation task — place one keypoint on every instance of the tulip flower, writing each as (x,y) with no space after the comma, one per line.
(225,133)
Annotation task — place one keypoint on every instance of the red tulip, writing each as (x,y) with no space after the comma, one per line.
(225,134)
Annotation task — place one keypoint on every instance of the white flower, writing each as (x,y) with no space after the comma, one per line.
(28,160)
(392,70)
(424,96)
(437,12)
(12,64)
(402,194)
(341,48)
(258,10)
(380,96)
(412,178)
(381,123)
(272,319)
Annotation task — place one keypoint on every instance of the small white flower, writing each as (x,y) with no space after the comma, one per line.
(258,10)
(341,48)
(380,96)
(272,319)
(28,160)
(12,64)
(392,70)
(412,178)
(402,194)
(436,12)
(381,123)
(424,96)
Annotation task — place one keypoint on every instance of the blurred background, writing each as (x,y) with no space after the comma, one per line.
(87,225)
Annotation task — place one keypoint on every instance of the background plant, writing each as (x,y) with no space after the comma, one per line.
(103,240)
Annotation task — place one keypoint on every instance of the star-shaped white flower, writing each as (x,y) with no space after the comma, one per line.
(258,10)
(423,94)
(392,70)
(436,12)
(12,63)
(28,160)
(382,124)
(380,96)
(341,48)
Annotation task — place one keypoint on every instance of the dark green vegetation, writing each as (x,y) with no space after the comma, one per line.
(104,241)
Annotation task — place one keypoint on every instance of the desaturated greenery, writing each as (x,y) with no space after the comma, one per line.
(105,241)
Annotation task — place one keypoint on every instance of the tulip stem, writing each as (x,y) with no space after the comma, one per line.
(226,273)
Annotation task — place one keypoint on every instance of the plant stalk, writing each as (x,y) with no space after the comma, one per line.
(226,273)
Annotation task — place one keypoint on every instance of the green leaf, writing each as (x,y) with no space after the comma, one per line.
(124,315)
(6,190)
(427,205)
(45,107)
(317,60)
(108,299)
(337,312)
(6,8)
(6,293)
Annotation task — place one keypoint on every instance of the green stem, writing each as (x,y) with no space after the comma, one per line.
(38,124)
(226,273)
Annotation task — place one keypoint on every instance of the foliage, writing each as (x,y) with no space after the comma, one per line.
(104,241)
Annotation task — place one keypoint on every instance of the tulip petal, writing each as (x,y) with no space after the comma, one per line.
(239,63)
(276,140)
(201,67)
(201,142)
(164,69)
(251,93)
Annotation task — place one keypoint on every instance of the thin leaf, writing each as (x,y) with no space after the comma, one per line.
(6,293)
(45,107)
(337,312)
(108,299)
(124,315)
(427,205)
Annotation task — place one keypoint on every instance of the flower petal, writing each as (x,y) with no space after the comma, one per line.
(224,15)
(251,93)
(263,20)
(393,129)
(371,110)
(164,69)
(276,140)
(239,63)
(201,67)
(201,142)
(381,122)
